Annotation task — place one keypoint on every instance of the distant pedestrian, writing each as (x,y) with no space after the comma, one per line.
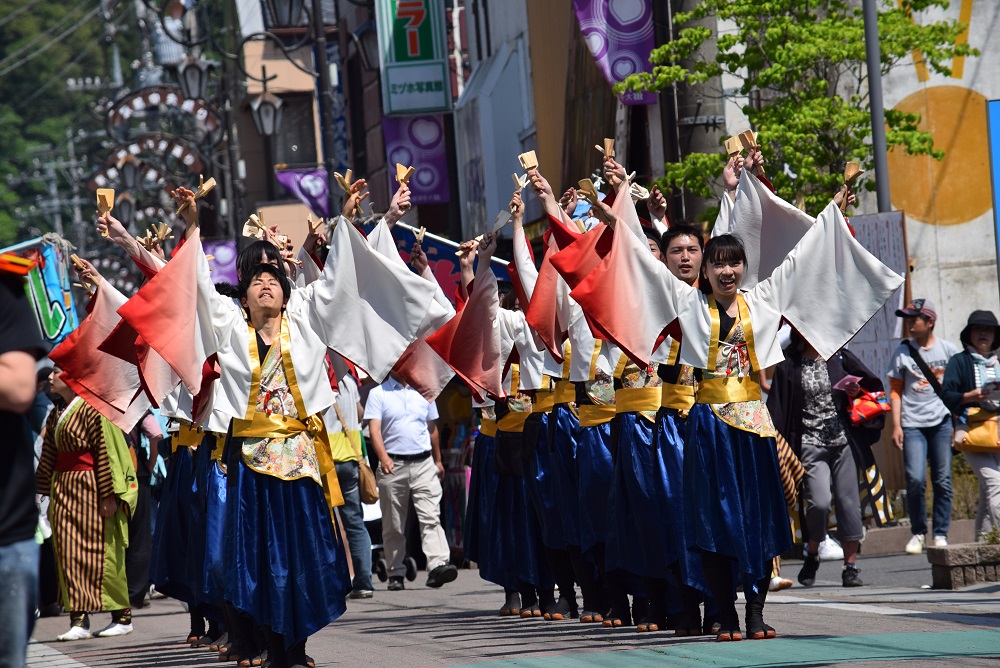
(403,427)
(921,423)
(969,383)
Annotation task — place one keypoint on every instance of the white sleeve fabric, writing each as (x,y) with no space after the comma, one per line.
(829,285)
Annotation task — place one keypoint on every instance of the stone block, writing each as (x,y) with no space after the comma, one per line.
(953,555)
(941,577)
(980,573)
(988,554)
(970,575)
(991,573)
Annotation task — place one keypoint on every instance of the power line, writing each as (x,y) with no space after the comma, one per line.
(39,37)
(45,48)
(17,12)
(57,76)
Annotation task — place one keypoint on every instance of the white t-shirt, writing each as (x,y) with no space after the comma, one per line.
(921,405)
(403,414)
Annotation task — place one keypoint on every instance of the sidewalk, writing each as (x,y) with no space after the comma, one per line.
(457,625)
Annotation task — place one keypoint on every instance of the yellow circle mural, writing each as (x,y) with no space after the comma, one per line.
(954,190)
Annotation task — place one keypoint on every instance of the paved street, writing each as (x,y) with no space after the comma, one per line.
(891,619)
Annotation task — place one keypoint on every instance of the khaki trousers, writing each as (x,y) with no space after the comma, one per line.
(418,480)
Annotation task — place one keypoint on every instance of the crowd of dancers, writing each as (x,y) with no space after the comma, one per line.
(624,450)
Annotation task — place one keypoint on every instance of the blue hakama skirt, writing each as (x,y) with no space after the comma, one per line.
(286,565)
(734,503)
(168,568)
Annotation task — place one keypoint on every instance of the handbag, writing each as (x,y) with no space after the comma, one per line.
(867,406)
(366,477)
(980,434)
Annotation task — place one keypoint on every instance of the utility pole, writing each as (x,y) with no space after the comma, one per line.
(55,201)
(879,149)
(325,102)
(74,181)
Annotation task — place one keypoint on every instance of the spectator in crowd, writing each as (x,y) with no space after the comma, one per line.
(345,442)
(812,414)
(404,434)
(921,423)
(20,345)
(964,380)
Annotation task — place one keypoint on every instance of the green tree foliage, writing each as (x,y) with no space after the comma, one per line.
(42,43)
(802,66)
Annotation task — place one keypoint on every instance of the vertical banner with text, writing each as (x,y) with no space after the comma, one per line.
(413,56)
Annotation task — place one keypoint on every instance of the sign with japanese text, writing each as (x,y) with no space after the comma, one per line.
(413,56)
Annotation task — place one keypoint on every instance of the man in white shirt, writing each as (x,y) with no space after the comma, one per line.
(405,437)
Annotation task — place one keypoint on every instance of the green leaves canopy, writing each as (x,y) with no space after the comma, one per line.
(802,66)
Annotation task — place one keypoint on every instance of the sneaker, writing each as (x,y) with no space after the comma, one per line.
(442,575)
(778,583)
(851,576)
(830,549)
(153,594)
(75,633)
(940,541)
(807,576)
(361,593)
(916,544)
(396,583)
(114,629)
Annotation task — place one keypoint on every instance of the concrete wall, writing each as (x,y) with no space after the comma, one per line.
(950,220)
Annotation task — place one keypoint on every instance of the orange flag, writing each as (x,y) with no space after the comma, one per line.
(470,342)
(164,313)
(108,383)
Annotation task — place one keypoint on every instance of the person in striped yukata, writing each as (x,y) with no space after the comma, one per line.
(87,473)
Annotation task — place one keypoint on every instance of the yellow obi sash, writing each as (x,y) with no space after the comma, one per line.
(488,427)
(513,422)
(677,396)
(636,399)
(592,415)
(261,425)
(565,392)
(728,390)
(186,437)
(543,401)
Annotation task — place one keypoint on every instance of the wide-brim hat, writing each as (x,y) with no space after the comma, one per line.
(981,319)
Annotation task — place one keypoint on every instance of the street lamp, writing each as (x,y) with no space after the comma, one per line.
(130,171)
(126,208)
(266,112)
(192,76)
(286,12)
(365,38)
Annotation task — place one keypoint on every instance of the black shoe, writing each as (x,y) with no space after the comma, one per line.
(442,575)
(396,583)
(851,576)
(562,609)
(807,576)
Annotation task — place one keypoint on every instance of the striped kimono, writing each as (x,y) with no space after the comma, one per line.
(85,459)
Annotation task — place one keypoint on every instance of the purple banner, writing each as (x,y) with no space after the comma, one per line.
(309,186)
(223,263)
(619,34)
(418,142)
